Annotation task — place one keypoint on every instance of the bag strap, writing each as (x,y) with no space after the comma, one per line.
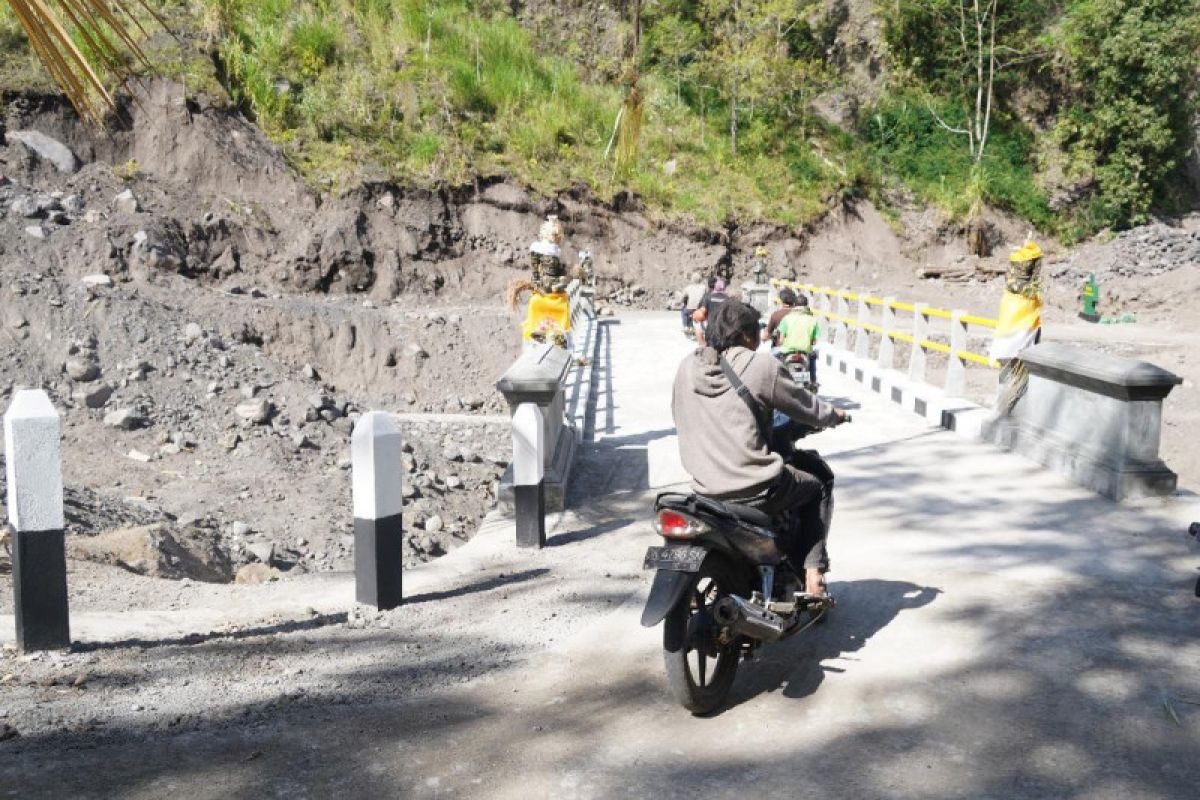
(755,409)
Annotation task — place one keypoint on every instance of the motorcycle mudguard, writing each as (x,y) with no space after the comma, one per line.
(667,590)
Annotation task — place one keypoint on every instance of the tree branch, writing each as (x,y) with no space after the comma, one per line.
(942,123)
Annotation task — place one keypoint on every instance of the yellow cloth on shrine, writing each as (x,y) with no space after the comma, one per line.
(1018,325)
(553,307)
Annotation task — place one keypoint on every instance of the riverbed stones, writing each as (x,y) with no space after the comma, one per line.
(95,395)
(255,412)
(126,202)
(125,419)
(81,370)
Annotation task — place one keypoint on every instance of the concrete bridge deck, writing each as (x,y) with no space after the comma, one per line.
(1000,634)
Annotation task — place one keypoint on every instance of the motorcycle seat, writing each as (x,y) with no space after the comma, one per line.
(749,515)
(693,502)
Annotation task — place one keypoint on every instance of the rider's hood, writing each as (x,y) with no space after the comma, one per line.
(705,370)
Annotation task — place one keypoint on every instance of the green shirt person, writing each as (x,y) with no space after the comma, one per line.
(799,330)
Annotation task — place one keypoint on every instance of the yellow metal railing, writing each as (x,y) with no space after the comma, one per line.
(925,344)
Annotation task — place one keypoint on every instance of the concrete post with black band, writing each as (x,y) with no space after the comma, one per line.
(35,509)
(529,471)
(377,484)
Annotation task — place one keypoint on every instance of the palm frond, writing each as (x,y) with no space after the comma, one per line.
(80,42)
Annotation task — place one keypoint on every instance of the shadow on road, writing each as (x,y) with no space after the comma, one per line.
(280,628)
(478,586)
(798,666)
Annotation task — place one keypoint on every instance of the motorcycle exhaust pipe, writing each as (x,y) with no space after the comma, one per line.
(749,620)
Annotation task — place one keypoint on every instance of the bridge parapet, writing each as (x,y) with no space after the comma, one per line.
(558,382)
(1092,416)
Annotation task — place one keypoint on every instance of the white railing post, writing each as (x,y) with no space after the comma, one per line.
(529,471)
(841,337)
(956,371)
(862,340)
(920,332)
(35,508)
(377,483)
(887,347)
(827,306)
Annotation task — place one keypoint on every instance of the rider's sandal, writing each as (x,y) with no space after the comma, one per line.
(819,605)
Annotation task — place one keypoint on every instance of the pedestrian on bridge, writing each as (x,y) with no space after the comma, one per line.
(713,299)
(693,296)
(725,396)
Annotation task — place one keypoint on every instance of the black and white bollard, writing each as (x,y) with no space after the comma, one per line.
(35,509)
(375,452)
(529,489)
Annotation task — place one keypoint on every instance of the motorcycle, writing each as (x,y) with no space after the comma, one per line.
(723,587)
(798,365)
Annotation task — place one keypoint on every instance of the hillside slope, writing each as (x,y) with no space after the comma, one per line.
(775,113)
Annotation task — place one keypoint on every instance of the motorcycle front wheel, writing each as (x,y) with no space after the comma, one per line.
(700,668)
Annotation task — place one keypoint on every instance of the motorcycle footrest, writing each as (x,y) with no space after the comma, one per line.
(806,600)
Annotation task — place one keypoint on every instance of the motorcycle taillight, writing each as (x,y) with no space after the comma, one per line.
(674,525)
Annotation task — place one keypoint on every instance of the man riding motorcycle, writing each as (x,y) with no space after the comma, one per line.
(797,332)
(724,397)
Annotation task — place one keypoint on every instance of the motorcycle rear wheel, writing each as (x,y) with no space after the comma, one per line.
(700,670)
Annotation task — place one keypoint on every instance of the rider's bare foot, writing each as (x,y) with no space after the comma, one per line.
(814,583)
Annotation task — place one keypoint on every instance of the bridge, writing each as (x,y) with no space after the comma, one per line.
(1001,632)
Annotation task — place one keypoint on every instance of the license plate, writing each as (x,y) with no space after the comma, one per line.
(677,559)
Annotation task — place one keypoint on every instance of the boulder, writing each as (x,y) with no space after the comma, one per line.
(81,370)
(256,573)
(47,148)
(161,551)
(95,395)
(257,411)
(125,419)
(126,202)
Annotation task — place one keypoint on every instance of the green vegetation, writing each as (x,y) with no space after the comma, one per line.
(1114,80)
(1092,100)
(938,166)
(1131,101)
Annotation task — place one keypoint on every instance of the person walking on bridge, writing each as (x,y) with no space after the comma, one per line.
(712,300)
(693,296)
(723,438)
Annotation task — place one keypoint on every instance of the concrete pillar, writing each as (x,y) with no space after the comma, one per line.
(920,332)
(956,372)
(841,336)
(862,339)
(887,348)
(35,510)
(377,484)
(827,325)
(529,489)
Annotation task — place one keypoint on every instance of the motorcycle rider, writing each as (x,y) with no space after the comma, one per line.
(797,332)
(787,304)
(723,442)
